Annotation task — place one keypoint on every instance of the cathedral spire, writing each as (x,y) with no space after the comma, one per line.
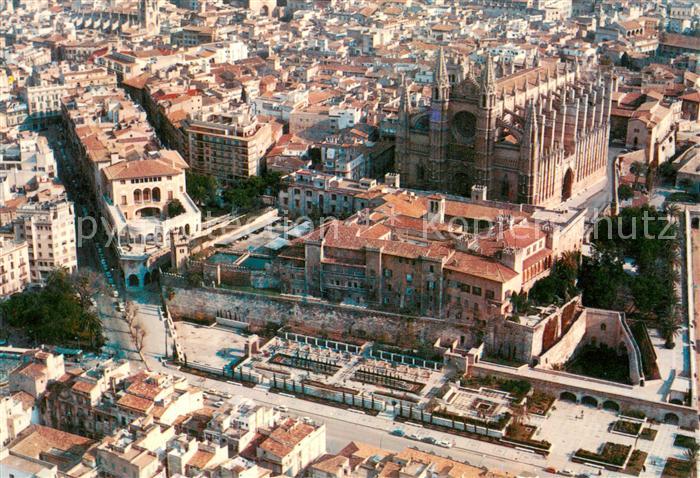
(441,83)
(441,68)
(488,75)
(405,99)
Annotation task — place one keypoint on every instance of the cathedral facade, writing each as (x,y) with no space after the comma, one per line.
(538,135)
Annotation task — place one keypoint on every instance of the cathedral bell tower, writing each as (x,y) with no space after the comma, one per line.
(149,16)
(403,126)
(485,123)
(439,126)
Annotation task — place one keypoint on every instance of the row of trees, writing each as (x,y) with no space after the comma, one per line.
(58,313)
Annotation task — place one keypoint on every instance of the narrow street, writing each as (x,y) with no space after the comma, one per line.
(118,341)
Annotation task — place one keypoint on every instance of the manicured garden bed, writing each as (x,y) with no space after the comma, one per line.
(540,402)
(648,434)
(676,468)
(636,463)
(684,441)
(523,435)
(627,428)
(610,453)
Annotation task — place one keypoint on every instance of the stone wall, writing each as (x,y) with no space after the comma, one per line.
(259,309)
(565,347)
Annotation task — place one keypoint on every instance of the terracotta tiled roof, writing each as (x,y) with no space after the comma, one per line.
(139,169)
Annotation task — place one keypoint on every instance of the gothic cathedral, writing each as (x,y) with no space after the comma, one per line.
(537,135)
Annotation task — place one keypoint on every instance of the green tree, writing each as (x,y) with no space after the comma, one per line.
(601,280)
(624,192)
(667,172)
(670,327)
(638,168)
(54,314)
(87,285)
(175,208)
(201,188)
(560,285)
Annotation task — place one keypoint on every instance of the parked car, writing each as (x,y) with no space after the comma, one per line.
(566,472)
(398,432)
(445,443)
(429,439)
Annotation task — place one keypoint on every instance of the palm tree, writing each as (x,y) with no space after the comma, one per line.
(670,328)
(638,168)
(691,454)
(673,210)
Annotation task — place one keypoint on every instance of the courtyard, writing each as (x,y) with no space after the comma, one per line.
(211,346)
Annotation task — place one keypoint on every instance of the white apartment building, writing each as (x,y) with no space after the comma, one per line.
(44,100)
(48,227)
(14,266)
(25,162)
(227,51)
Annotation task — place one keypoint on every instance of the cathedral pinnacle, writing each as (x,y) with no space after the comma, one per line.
(488,75)
(441,68)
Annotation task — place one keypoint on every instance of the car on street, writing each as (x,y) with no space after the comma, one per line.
(429,439)
(397,432)
(444,443)
(566,472)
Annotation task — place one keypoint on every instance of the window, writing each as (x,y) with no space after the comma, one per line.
(387,272)
(465,288)
(476,290)
(490,294)
(409,278)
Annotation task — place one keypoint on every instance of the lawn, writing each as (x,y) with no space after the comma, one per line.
(676,468)
(600,362)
